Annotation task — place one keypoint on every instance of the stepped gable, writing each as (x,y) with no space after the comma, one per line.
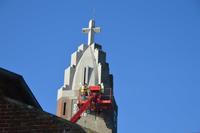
(88,67)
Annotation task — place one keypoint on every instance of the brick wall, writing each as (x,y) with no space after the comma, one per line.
(16,117)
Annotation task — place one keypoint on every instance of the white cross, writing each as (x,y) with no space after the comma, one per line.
(91,30)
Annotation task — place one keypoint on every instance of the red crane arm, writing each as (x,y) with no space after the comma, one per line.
(81,110)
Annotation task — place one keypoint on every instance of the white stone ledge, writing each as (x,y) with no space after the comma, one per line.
(66,93)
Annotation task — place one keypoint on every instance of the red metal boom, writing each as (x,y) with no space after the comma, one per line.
(81,110)
(93,99)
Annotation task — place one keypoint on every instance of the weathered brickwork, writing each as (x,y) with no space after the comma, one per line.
(21,113)
(20,118)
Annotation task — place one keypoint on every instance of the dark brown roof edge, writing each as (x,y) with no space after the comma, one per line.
(21,85)
(43,115)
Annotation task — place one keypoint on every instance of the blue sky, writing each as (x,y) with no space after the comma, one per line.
(153,48)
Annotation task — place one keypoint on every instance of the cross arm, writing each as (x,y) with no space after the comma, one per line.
(85,30)
(97,29)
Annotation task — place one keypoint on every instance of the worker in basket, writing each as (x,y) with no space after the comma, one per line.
(102,88)
(84,91)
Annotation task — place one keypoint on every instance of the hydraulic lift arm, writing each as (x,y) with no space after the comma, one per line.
(91,102)
(85,106)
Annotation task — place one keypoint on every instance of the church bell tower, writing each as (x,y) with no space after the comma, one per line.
(88,66)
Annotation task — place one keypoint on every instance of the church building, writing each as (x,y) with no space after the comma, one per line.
(88,67)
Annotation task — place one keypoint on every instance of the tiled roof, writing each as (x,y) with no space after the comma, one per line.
(21,113)
(16,117)
(14,86)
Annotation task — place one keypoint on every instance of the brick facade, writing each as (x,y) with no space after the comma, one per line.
(20,118)
(21,113)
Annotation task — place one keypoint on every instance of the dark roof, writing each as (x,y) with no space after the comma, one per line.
(14,86)
(21,118)
(21,113)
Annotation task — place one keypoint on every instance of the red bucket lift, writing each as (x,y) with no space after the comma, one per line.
(94,101)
